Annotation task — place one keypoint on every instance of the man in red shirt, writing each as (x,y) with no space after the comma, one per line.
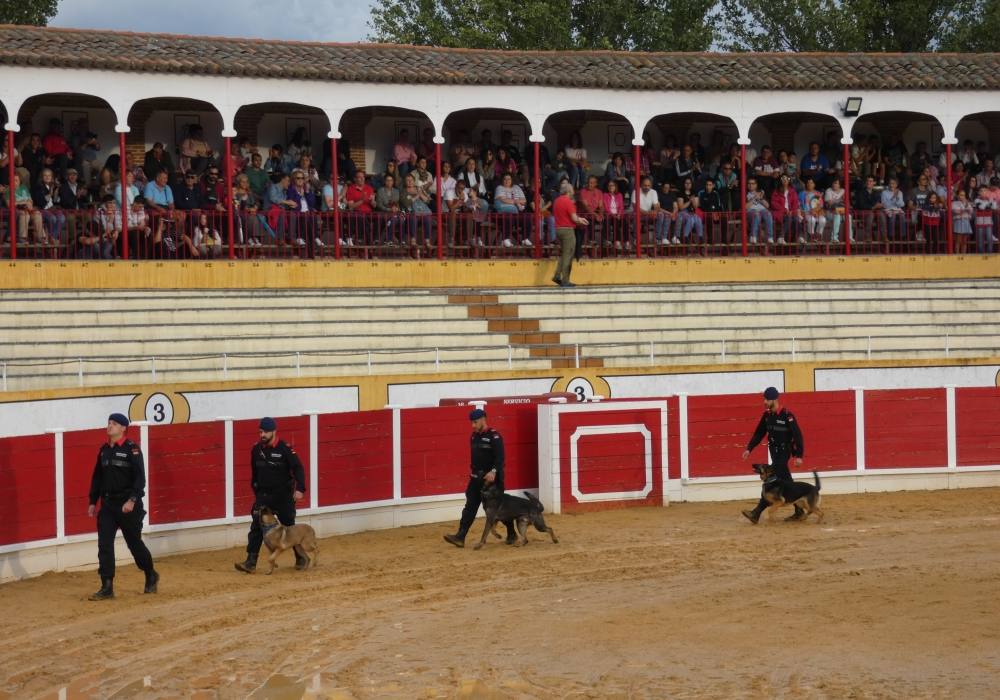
(57,148)
(592,206)
(360,198)
(564,210)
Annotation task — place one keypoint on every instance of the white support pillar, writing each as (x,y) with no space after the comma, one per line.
(227,449)
(313,457)
(682,419)
(397,453)
(949,402)
(144,444)
(859,427)
(60,472)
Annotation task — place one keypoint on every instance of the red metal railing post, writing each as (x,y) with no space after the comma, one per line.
(335,183)
(438,140)
(124,208)
(11,196)
(537,186)
(636,164)
(229,195)
(743,196)
(847,196)
(948,195)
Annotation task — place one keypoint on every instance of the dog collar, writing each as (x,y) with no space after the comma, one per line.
(267,528)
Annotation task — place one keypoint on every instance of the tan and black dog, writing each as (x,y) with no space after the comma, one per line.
(502,507)
(787,493)
(278,538)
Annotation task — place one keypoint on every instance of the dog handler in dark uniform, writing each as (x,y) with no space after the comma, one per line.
(784,442)
(487,468)
(119,482)
(278,481)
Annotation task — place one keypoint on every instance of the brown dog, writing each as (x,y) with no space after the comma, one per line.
(789,493)
(278,538)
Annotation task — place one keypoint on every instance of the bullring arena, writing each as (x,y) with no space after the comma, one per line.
(624,403)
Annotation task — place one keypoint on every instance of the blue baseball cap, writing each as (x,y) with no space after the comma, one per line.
(771,394)
(268,425)
(477,414)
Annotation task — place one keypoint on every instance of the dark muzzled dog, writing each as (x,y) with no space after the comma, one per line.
(278,538)
(779,492)
(503,507)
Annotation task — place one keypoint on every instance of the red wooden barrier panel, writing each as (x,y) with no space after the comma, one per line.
(719,428)
(186,468)
(905,428)
(977,423)
(80,448)
(828,428)
(355,457)
(28,489)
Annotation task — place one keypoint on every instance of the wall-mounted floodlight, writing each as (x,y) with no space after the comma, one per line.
(852,107)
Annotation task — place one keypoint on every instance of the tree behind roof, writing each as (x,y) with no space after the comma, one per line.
(36,12)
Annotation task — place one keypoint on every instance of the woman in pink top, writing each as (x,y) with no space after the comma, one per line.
(614,213)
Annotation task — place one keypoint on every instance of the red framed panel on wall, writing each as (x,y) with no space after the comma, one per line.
(593,456)
(719,428)
(355,457)
(977,426)
(905,428)
(80,448)
(186,472)
(28,488)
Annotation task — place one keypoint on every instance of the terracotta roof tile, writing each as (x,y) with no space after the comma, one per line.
(381,63)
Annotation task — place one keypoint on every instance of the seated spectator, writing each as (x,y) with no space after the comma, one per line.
(667,218)
(157,159)
(504,165)
(962,214)
(893,209)
(33,157)
(303,200)
(758,212)
(833,203)
(920,159)
(107,183)
(557,171)
(461,150)
(689,213)
(312,175)
(207,241)
(619,172)
(131,190)
(985,211)
(649,213)
(507,143)
(45,196)
(994,191)
(485,144)
(160,200)
(766,171)
(57,151)
(387,203)
(422,177)
(249,223)
(403,152)
(710,203)
(277,205)
(591,207)
(614,211)
(867,204)
(75,199)
(447,181)
(359,198)
(930,220)
(415,201)
(86,150)
(213,190)
(687,165)
(427,147)
(576,156)
(256,175)
(27,213)
(727,183)
(297,147)
(188,195)
(472,176)
(454,206)
(788,165)
(196,154)
(346,169)
(897,163)
(816,166)
(509,198)
(785,210)
(811,203)
(668,160)
(987,173)
(100,243)
(275,162)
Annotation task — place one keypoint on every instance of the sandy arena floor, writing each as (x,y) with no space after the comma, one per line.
(894,596)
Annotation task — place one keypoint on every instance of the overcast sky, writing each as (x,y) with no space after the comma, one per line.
(315,20)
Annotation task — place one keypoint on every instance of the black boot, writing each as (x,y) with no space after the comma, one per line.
(152,578)
(301,561)
(752,515)
(458,539)
(248,566)
(107,590)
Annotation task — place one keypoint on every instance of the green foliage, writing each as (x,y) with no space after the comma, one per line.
(36,12)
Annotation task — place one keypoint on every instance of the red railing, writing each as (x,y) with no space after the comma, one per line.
(159,234)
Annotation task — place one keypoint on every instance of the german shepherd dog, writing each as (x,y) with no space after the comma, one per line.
(278,538)
(789,493)
(503,507)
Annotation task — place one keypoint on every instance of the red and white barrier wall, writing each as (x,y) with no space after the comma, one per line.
(396,467)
